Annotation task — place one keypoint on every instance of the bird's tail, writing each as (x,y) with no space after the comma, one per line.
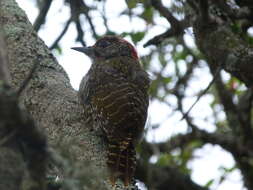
(121,162)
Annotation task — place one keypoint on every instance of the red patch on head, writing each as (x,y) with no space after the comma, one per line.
(133,50)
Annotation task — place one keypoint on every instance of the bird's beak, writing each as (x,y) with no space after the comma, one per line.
(89,51)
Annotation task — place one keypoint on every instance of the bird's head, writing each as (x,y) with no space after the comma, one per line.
(109,47)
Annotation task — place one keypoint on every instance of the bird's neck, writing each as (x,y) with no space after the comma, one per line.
(122,64)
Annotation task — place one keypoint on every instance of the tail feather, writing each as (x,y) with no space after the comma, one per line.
(121,163)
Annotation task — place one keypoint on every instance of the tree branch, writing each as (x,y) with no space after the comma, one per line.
(4,74)
(65,29)
(244,107)
(163,177)
(165,12)
(203,6)
(49,97)
(79,7)
(42,15)
(222,46)
(161,37)
(20,139)
(177,27)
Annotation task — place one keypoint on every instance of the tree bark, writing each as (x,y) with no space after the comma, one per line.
(223,47)
(12,165)
(49,97)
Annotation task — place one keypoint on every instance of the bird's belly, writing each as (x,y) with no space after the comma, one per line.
(121,108)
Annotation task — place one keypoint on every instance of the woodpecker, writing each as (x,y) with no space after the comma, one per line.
(114,94)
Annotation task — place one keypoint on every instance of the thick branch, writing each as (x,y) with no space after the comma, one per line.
(12,165)
(222,46)
(225,140)
(19,138)
(4,74)
(163,178)
(49,96)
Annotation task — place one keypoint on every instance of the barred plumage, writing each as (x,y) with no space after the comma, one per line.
(114,95)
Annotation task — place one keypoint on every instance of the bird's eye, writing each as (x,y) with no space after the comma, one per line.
(103,43)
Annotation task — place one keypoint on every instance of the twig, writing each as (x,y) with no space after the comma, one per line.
(42,15)
(54,45)
(105,20)
(203,92)
(165,12)
(95,35)
(190,67)
(161,37)
(80,32)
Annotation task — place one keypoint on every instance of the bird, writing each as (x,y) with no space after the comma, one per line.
(114,95)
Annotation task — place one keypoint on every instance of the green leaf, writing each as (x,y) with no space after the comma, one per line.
(179,55)
(163,160)
(249,39)
(195,144)
(58,49)
(137,36)
(110,33)
(209,183)
(167,80)
(131,3)
(148,14)
(153,88)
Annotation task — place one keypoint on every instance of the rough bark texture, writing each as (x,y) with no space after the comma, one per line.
(222,47)
(12,166)
(4,74)
(49,97)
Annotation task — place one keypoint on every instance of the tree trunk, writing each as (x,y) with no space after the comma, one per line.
(50,99)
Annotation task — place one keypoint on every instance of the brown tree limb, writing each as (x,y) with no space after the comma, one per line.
(222,46)
(203,6)
(21,141)
(157,177)
(4,74)
(51,100)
